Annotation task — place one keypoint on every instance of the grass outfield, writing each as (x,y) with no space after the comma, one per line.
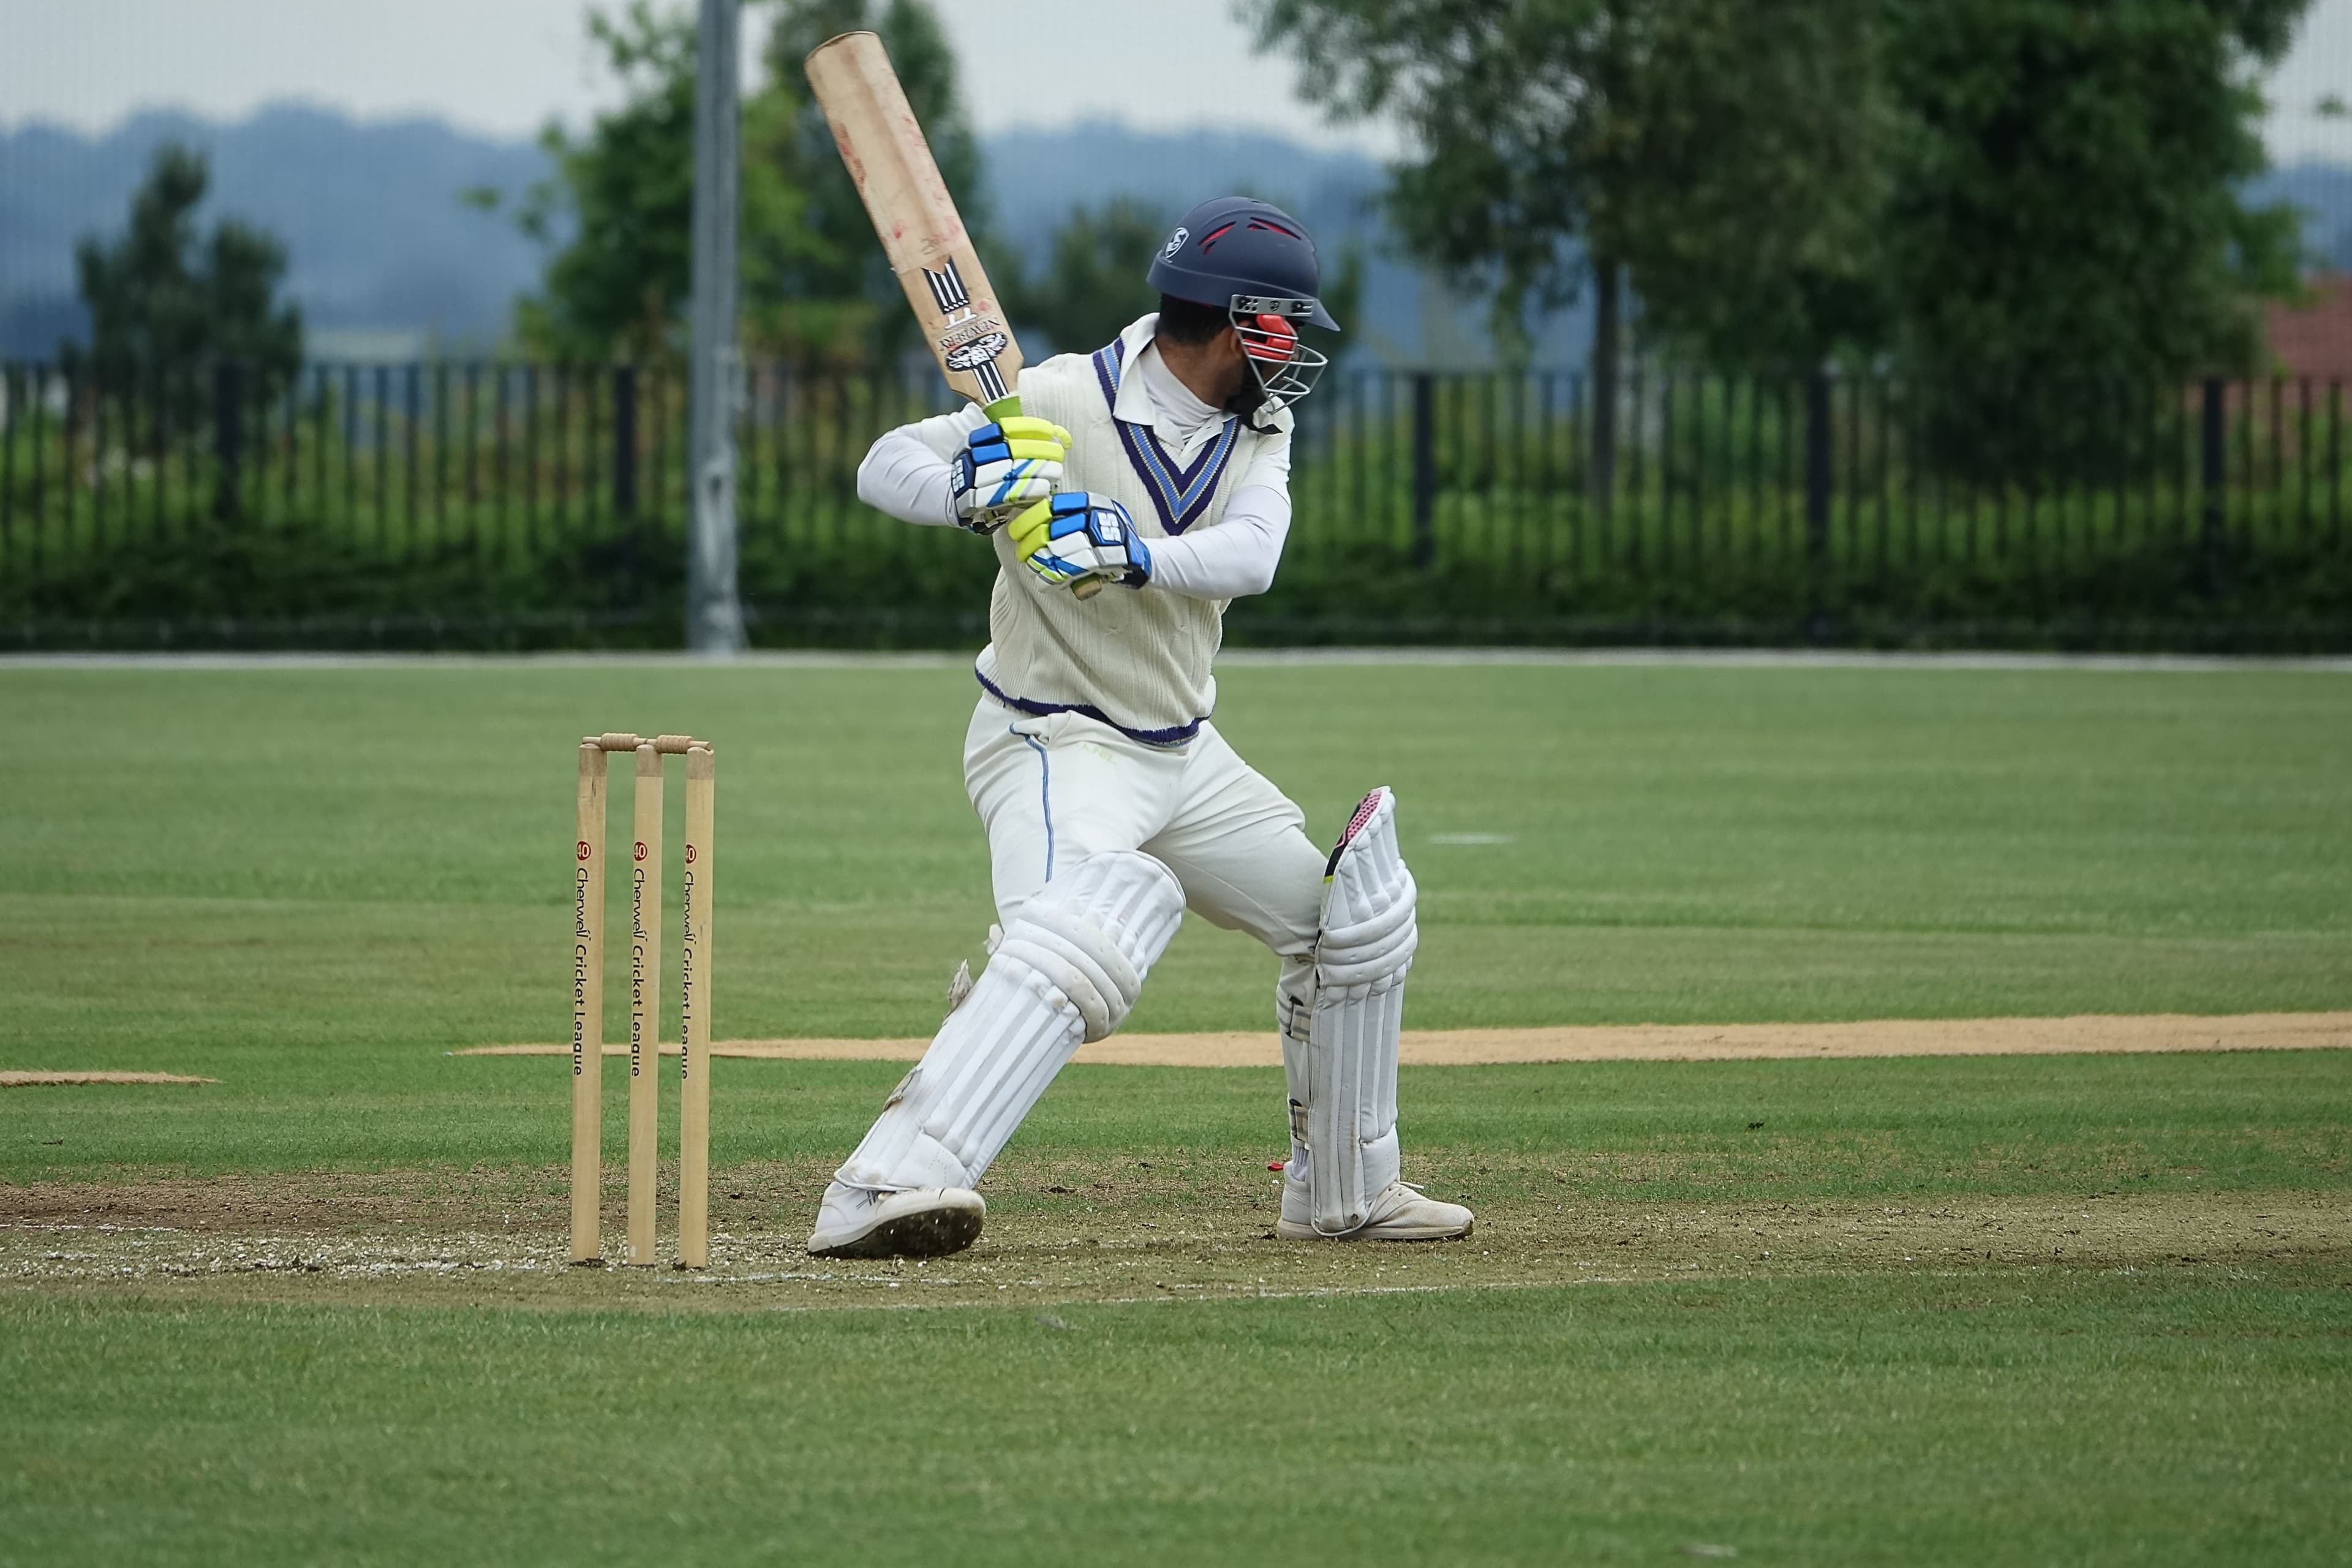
(2085,1418)
(1961,1310)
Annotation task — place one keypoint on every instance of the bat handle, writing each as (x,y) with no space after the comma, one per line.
(1087,588)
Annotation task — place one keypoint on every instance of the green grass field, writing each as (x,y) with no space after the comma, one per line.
(1994,1309)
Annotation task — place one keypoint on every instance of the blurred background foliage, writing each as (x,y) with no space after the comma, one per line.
(1963,193)
(1967,193)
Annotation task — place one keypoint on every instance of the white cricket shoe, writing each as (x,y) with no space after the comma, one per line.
(1400,1213)
(865,1221)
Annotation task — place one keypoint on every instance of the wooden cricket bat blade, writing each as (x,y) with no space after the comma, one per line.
(922,233)
(882,146)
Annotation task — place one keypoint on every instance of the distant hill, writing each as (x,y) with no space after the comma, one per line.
(375,235)
(383,252)
(1332,192)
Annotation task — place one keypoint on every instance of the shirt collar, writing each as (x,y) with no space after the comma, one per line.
(1133,406)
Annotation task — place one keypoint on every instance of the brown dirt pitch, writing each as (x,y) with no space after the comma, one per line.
(1653,1042)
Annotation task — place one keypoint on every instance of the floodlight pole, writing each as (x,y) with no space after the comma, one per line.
(714,611)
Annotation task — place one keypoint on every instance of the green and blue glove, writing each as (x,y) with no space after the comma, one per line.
(1081,539)
(1006,468)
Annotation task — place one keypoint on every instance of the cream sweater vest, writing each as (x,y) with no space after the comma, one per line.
(1134,659)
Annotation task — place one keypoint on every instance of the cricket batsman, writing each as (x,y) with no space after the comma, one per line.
(1159,465)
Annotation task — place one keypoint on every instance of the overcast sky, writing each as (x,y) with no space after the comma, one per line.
(505,66)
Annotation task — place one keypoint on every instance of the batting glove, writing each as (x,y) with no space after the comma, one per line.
(1080,535)
(1006,468)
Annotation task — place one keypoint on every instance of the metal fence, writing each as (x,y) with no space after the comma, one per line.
(457,503)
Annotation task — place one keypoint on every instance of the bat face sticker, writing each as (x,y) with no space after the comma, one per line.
(979,351)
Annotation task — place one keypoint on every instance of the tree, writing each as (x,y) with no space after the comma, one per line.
(618,283)
(2033,206)
(1719,151)
(1718,154)
(622,199)
(162,302)
(824,287)
(1093,283)
(617,211)
(2065,226)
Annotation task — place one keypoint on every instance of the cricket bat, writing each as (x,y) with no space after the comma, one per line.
(921,232)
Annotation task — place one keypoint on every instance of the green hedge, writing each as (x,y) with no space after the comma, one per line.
(880,584)
(347,524)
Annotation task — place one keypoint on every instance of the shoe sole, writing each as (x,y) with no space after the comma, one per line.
(934,1233)
(1291,1230)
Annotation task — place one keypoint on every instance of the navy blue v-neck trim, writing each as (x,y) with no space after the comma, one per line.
(1181,494)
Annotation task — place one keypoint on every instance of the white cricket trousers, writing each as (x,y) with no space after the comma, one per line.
(1055,789)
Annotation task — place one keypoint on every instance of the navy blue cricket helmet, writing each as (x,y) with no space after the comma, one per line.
(1257,263)
(1235,248)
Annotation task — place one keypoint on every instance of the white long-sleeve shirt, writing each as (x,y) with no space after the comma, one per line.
(909,473)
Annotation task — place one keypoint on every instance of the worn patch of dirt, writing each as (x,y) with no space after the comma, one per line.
(1061,1231)
(16,1080)
(303,1203)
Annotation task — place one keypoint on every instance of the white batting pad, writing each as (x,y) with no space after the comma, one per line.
(1070,969)
(1365,947)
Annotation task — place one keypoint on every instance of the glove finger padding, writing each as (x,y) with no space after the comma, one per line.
(1005,467)
(1028,427)
(1019,438)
